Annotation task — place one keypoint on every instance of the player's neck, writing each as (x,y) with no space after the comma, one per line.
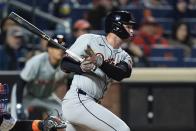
(114,40)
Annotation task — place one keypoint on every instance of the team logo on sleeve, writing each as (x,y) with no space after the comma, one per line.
(110,60)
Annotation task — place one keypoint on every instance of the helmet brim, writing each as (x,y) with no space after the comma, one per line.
(129,23)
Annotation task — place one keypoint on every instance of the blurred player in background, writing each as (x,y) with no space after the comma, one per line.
(38,77)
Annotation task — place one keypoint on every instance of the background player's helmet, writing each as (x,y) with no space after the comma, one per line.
(114,23)
(59,38)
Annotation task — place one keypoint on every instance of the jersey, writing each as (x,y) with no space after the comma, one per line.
(40,76)
(95,84)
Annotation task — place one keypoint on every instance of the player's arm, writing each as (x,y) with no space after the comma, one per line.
(70,65)
(21,83)
(117,72)
(28,74)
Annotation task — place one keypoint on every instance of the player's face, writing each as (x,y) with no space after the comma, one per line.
(129,29)
(56,53)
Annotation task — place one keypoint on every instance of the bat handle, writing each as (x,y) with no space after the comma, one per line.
(74,56)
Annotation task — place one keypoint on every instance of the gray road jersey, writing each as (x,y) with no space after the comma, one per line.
(40,75)
(95,84)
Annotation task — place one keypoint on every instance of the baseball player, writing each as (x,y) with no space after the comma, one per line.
(38,77)
(104,60)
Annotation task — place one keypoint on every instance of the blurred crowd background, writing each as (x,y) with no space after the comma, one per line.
(164,33)
(165,36)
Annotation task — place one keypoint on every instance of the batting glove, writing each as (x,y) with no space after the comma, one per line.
(87,66)
(96,59)
(92,60)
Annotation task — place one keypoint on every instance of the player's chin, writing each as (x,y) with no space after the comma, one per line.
(131,37)
(128,39)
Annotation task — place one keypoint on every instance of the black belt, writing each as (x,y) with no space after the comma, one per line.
(80,91)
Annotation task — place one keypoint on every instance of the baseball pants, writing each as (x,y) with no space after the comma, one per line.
(84,113)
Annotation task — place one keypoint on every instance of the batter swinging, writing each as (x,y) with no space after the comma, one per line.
(104,60)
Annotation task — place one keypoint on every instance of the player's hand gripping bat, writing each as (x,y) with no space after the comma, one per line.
(32,28)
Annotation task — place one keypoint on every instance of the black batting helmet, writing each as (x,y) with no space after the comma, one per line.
(114,23)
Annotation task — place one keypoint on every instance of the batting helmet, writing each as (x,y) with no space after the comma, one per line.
(114,23)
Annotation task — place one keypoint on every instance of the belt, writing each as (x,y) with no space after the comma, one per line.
(80,91)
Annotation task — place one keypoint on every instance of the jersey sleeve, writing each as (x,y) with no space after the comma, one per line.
(128,59)
(30,70)
(81,44)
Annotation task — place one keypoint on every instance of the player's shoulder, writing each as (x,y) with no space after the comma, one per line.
(89,36)
(125,54)
(39,58)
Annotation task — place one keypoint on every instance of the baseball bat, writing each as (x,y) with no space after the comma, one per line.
(32,28)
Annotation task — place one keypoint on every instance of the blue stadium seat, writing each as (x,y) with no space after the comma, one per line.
(85,2)
(171,57)
(167,52)
(171,2)
(190,62)
(42,4)
(78,13)
(164,13)
(192,24)
(166,23)
(193,52)
(162,62)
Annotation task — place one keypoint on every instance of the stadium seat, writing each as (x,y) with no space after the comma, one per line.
(167,52)
(162,62)
(193,52)
(78,13)
(163,13)
(85,2)
(192,24)
(166,23)
(171,57)
(190,62)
